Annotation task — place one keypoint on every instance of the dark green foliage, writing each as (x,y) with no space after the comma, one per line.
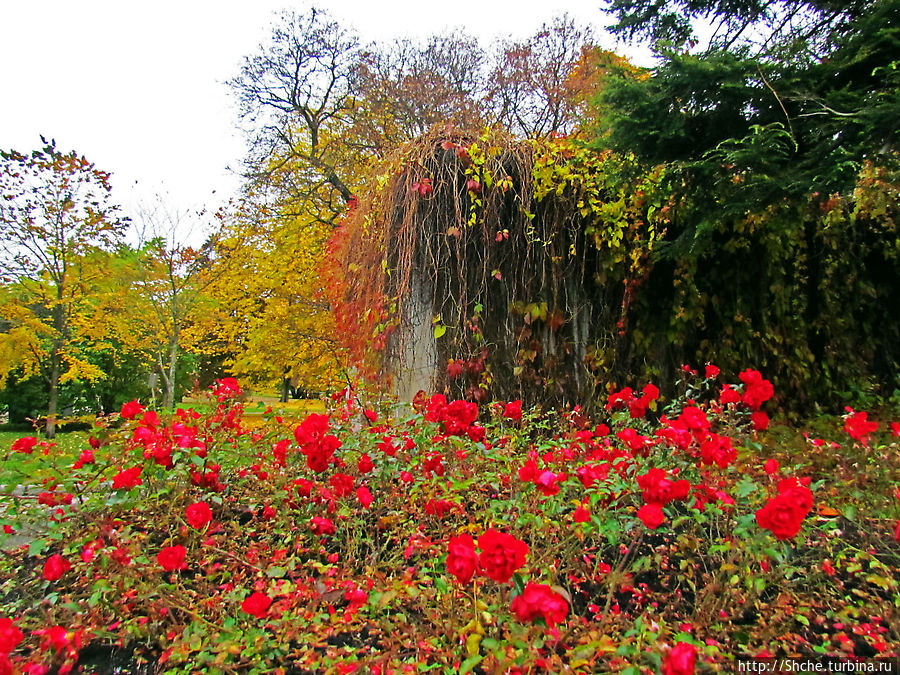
(126,379)
(779,150)
(23,399)
(728,107)
(768,27)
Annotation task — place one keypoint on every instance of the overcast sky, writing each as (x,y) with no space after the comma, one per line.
(137,87)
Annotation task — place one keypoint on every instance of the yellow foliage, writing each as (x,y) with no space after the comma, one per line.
(269,317)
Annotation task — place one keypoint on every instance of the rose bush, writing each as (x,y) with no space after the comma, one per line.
(661,536)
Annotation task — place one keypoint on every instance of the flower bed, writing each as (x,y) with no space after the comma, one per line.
(462,539)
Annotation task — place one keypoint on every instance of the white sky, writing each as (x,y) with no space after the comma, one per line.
(137,87)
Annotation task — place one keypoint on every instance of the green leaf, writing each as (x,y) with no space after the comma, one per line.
(518,583)
(745,487)
(470,663)
(441,585)
(439,331)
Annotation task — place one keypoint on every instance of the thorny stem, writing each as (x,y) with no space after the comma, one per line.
(235,558)
(620,568)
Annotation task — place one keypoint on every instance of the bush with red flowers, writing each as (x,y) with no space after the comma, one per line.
(660,536)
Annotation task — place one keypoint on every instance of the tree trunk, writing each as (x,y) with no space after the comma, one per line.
(53,403)
(169,400)
(285,386)
(59,325)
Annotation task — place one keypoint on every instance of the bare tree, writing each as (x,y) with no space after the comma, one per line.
(293,91)
(528,91)
(408,87)
(171,277)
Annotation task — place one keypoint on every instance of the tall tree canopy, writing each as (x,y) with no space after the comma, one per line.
(799,118)
(773,29)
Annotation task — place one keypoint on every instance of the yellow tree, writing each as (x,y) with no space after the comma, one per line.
(171,279)
(270,318)
(54,211)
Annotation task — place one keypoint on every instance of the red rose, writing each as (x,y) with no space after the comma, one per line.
(462,560)
(434,408)
(680,660)
(711,371)
(150,419)
(540,601)
(717,450)
(729,395)
(897,531)
(636,442)
(198,515)
(620,398)
(547,482)
(364,496)
(322,526)
(476,434)
(364,464)
(650,392)
(651,515)
(771,466)
(319,453)
(311,429)
(131,410)
(55,567)
(657,488)
(86,457)
(226,388)
(10,636)
(55,637)
(756,390)
(760,420)
(513,410)
(434,463)
(501,555)
(694,419)
(257,604)
(341,484)
(529,472)
(859,427)
(25,445)
(783,514)
(120,555)
(458,416)
(128,478)
(172,558)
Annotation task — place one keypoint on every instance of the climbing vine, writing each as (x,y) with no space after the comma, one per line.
(545,270)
